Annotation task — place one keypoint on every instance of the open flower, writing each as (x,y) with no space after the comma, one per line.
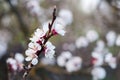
(63,58)
(111,60)
(58,27)
(98,73)
(38,35)
(16,63)
(66,15)
(74,64)
(31,56)
(111,37)
(49,50)
(97,59)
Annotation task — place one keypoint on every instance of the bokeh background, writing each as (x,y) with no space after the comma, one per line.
(19,19)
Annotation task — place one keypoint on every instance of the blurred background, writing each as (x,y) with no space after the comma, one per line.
(91,25)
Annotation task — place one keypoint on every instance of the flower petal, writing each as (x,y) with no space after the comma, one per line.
(34,61)
(28,58)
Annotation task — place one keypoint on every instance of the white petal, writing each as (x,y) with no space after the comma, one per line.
(28,58)
(34,61)
(19,57)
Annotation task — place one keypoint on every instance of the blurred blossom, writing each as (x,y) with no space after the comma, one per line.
(111,37)
(19,57)
(111,60)
(92,35)
(89,6)
(34,8)
(100,45)
(6,20)
(98,73)
(97,58)
(81,42)
(14,2)
(48,61)
(118,40)
(63,58)
(15,64)
(74,64)
(66,15)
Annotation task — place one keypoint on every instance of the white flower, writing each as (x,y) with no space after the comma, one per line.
(58,27)
(100,46)
(49,50)
(81,42)
(88,6)
(19,57)
(38,35)
(118,40)
(31,56)
(92,35)
(63,58)
(111,60)
(110,37)
(66,15)
(13,64)
(98,73)
(34,46)
(74,64)
(97,59)
(34,61)
(34,8)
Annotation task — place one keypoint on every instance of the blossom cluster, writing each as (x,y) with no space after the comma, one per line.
(101,54)
(15,64)
(39,41)
(71,63)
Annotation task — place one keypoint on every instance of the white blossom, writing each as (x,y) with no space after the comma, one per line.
(118,40)
(13,63)
(49,50)
(81,42)
(58,27)
(38,35)
(19,57)
(74,64)
(31,56)
(34,46)
(111,60)
(98,73)
(100,46)
(111,37)
(88,6)
(34,8)
(63,58)
(92,35)
(97,58)
(66,15)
